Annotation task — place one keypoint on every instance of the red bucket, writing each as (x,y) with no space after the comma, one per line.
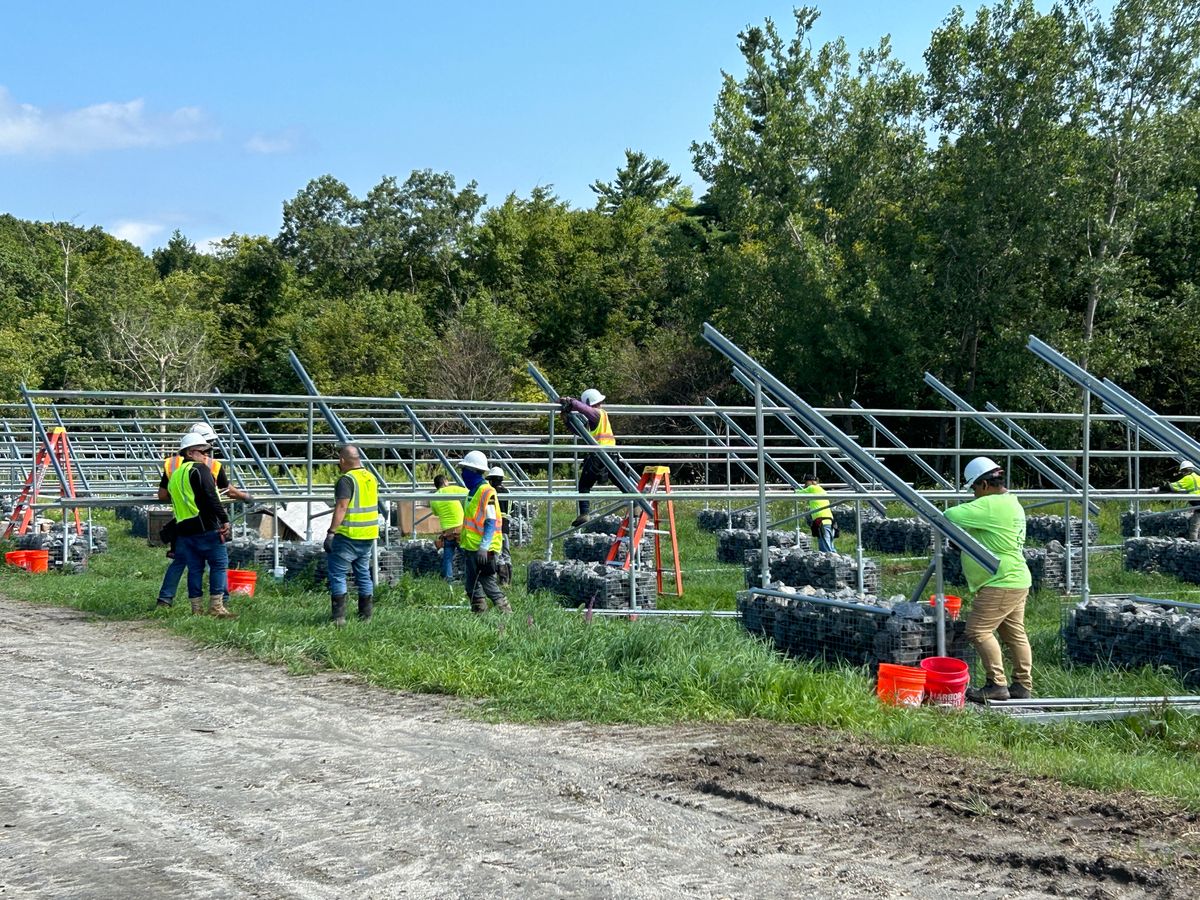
(37,560)
(242,581)
(900,685)
(18,558)
(946,681)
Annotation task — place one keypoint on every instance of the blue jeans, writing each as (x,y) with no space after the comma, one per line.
(346,554)
(824,531)
(197,550)
(170,585)
(449,548)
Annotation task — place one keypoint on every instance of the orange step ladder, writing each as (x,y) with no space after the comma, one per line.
(23,510)
(655,480)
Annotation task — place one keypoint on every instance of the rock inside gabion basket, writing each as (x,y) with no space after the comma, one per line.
(910,535)
(733,543)
(1173,523)
(1044,529)
(1171,556)
(391,565)
(602,525)
(812,568)
(812,625)
(139,517)
(1121,632)
(421,557)
(844,516)
(595,584)
(720,519)
(595,547)
(520,526)
(299,559)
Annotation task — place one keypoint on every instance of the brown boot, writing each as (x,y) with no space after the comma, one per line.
(216,608)
(197,605)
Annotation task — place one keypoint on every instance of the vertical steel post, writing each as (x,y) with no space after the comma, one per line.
(309,485)
(1137,481)
(940,589)
(1087,453)
(760,433)
(550,491)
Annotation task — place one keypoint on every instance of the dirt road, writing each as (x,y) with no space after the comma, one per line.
(133,764)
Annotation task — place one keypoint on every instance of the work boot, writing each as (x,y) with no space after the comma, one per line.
(503,605)
(990,691)
(366,606)
(580,519)
(216,608)
(197,605)
(339,610)
(162,603)
(1018,691)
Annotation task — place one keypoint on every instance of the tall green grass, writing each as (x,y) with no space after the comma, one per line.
(547,663)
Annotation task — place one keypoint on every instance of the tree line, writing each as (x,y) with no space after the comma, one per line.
(861,223)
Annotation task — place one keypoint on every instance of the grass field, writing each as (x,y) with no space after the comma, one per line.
(548,663)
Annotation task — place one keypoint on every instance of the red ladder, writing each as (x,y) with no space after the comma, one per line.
(655,479)
(23,510)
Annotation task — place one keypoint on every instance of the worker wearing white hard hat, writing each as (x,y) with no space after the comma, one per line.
(495,477)
(204,433)
(482,537)
(592,472)
(996,519)
(200,526)
(1188,483)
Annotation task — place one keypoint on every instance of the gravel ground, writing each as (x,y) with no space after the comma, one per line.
(137,765)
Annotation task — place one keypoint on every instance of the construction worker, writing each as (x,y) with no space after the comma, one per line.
(201,525)
(996,519)
(591,406)
(350,541)
(495,477)
(820,516)
(450,518)
(482,536)
(1188,483)
(170,585)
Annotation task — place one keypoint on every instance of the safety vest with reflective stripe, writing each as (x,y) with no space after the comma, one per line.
(174,462)
(818,509)
(603,432)
(476,520)
(1188,484)
(449,512)
(183,496)
(362,516)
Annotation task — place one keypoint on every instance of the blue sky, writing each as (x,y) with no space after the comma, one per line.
(146,117)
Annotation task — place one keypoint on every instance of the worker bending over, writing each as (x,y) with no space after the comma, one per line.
(996,519)
(1188,483)
(820,516)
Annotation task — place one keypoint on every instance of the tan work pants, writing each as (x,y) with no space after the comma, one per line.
(1003,610)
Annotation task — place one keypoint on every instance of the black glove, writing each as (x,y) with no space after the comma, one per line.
(1166,488)
(564,404)
(481,559)
(329,542)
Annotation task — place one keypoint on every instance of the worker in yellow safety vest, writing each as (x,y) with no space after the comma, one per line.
(350,543)
(449,513)
(590,405)
(1188,483)
(482,536)
(201,525)
(820,516)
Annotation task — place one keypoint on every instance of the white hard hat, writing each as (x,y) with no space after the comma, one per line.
(475,460)
(976,469)
(495,472)
(592,396)
(1186,465)
(190,440)
(205,431)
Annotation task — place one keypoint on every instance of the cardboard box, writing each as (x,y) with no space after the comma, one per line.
(405,511)
(155,520)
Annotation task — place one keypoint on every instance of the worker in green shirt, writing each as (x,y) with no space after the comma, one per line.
(450,519)
(1188,483)
(820,516)
(996,519)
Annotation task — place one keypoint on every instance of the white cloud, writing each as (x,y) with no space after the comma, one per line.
(27,129)
(139,233)
(209,246)
(270,144)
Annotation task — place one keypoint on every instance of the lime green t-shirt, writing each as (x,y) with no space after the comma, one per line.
(998,522)
(449,512)
(818,509)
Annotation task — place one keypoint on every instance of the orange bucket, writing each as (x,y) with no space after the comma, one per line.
(953,604)
(242,581)
(900,685)
(18,558)
(37,560)
(946,680)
